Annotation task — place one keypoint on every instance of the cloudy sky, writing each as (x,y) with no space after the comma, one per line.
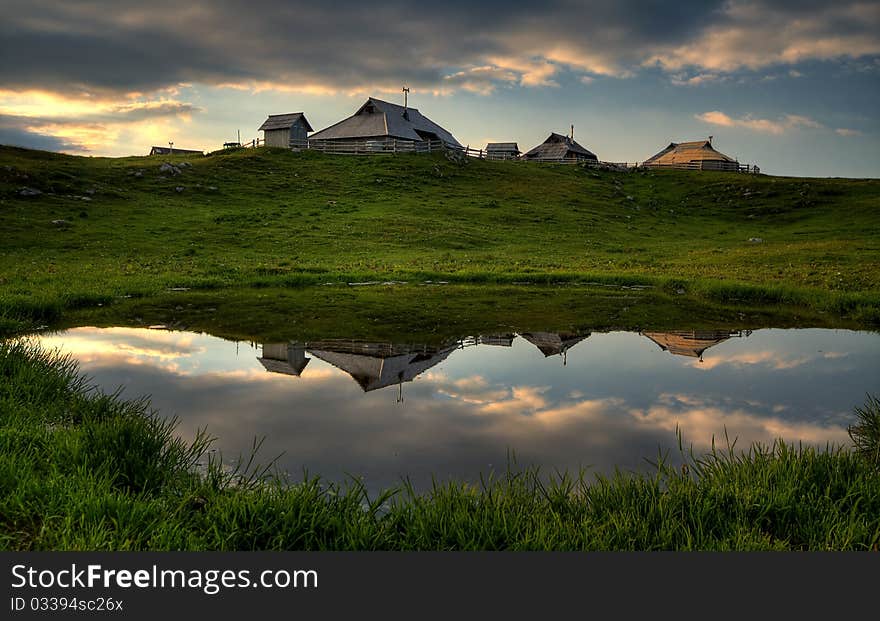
(793,85)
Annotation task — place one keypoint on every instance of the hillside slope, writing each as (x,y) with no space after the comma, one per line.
(105,226)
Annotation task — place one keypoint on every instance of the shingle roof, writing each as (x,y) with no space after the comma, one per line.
(379,119)
(684,152)
(559,147)
(284,121)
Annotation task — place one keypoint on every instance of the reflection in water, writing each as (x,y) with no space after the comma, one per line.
(470,401)
(692,343)
(379,365)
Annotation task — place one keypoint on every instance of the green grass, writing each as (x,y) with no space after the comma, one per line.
(275,219)
(84,471)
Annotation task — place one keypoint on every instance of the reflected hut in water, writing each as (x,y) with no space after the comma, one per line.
(554,343)
(286,358)
(692,343)
(378,365)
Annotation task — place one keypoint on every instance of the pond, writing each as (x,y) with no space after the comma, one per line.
(386,410)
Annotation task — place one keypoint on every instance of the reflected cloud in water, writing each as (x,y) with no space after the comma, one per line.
(455,409)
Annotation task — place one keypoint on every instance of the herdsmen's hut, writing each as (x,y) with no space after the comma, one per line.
(285,130)
(502,151)
(173,151)
(379,125)
(696,155)
(559,148)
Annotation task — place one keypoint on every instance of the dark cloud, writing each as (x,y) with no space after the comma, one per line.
(144,111)
(15,131)
(128,46)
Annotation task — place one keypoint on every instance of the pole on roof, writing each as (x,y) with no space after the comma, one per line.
(405,101)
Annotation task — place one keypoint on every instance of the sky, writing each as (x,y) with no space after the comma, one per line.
(790,85)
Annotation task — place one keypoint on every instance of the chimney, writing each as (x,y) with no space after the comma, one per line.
(572,131)
(405,102)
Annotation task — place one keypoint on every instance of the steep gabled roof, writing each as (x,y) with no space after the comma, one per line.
(684,152)
(558,147)
(379,119)
(284,121)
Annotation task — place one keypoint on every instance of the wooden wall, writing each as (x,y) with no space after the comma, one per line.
(278,138)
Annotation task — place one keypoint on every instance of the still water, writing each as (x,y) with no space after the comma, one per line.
(561,401)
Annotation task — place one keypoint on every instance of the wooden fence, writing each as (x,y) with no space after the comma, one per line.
(718,166)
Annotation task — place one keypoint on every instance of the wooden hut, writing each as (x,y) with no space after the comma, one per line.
(502,151)
(559,148)
(379,124)
(697,155)
(174,151)
(285,130)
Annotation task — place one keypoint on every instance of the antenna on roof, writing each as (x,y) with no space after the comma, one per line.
(405,101)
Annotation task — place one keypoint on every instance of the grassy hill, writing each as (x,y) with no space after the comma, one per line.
(106,227)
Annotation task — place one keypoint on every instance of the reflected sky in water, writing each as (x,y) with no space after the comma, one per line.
(388,410)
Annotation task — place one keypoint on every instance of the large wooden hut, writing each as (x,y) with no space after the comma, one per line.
(285,130)
(697,155)
(558,148)
(380,125)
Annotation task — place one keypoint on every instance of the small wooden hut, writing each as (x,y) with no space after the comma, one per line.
(174,151)
(285,130)
(502,151)
(697,155)
(559,148)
